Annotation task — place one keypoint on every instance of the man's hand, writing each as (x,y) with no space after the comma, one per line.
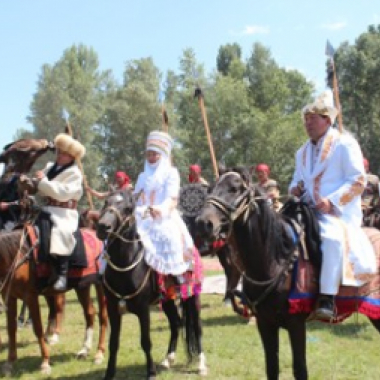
(40,175)
(324,206)
(4,206)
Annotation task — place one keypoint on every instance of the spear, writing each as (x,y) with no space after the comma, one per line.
(330,51)
(69,131)
(198,94)
(165,118)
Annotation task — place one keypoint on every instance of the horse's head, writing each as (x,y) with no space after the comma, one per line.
(116,213)
(230,198)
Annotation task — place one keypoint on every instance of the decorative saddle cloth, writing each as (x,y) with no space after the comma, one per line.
(78,276)
(364,299)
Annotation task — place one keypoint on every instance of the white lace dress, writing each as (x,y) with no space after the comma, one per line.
(168,244)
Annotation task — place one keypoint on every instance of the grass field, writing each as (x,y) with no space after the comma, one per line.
(233,349)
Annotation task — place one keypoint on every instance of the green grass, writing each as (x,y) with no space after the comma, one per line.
(233,349)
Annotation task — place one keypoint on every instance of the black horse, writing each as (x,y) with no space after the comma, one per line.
(131,285)
(266,251)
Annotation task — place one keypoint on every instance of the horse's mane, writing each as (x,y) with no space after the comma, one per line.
(272,225)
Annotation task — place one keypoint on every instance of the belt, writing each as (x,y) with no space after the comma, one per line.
(71,204)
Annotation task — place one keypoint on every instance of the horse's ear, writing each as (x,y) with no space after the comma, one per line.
(246,175)
(221,169)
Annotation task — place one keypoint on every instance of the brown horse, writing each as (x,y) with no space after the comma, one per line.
(18,276)
(266,248)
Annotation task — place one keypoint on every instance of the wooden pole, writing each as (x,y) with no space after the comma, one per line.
(165,119)
(79,163)
(198,93)
(336,97)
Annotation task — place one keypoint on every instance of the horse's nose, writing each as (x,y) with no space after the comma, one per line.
(205,227)
(102,231)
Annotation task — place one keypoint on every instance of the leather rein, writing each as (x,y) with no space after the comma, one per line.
(243,208)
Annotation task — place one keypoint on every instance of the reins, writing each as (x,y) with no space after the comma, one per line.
(243,207)
(124,225)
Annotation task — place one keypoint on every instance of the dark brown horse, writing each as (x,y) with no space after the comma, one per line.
(18,275)
(131,285)
(266,250)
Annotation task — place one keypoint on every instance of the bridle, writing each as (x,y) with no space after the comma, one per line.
(125,224)
(243,207)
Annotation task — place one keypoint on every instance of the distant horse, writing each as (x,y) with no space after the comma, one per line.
(18,277)
(131,285)
(266,249)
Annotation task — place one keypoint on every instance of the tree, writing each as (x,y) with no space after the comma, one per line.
(227,54)
(76,84)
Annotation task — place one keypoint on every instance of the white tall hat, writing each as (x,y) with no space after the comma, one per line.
(322,105)
(160,142)
(66,143)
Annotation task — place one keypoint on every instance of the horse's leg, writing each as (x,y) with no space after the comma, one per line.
(146,343)
(269,334)
(55,313)
(84,297)
(35,313)
(114,339)
(171,312)
(297,335)
(12,339)
(22,315)
(376,323)
(103,323)
(194,330)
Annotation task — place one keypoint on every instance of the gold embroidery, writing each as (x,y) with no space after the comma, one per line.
(317,186)
(326,147)
(355,189)
(348,266)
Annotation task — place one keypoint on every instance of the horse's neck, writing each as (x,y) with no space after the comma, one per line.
(125,251)
(256,244)
(9,248)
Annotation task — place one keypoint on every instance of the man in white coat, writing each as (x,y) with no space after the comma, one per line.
(330,168)
(61,185)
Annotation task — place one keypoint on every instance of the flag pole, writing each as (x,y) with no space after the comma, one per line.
(330,51)
(69,131)
(198,94)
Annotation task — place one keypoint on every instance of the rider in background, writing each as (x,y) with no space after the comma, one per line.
(330,166)
(195,176)
(370,196)
(168,245)
(267,185)
(61,185)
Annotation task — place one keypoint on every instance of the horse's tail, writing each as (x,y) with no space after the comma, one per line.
(191,326)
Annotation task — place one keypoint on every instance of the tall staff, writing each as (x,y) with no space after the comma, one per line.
(198,94)
(69,131)
(330,51)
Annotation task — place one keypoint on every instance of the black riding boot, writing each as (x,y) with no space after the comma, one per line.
(325,307)
(62,268)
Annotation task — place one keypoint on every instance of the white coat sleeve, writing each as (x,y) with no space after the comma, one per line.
(171,193)
(354,174)
(71,188)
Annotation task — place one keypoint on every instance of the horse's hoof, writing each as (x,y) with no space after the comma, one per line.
(203,371)
(53,339)
(82,354)
(45,369)
(152,377)
(99,357)
(7,369)
(168,361)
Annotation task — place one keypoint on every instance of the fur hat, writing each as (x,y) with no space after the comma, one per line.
(159,142)
(322,105)
(67,144)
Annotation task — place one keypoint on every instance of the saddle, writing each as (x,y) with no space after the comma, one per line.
(83,267)
(301,213)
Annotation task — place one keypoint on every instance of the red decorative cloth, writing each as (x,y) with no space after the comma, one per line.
(366,164)
(262,168)
(124,177)
(194,172)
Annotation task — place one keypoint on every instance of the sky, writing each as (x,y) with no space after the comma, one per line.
(36,32)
